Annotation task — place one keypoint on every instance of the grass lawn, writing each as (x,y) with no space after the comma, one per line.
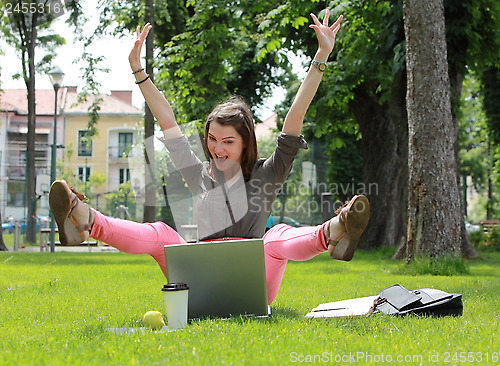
(55,309)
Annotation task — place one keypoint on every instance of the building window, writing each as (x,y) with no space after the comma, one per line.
(124,142)
(124,175)
(84,143)
(15,194)
(83,173)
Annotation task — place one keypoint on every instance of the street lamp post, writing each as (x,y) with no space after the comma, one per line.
(56,78)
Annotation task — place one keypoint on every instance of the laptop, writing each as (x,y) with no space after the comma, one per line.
(225,278)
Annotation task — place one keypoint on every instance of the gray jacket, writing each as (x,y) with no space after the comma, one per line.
(242,209)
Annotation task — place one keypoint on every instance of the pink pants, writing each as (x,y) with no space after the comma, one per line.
(281,243)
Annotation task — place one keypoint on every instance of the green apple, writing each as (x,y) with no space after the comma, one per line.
(153,319)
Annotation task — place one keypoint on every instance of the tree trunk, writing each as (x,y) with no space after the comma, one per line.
(467,249)
(434,215)
(385,154)
(491,92)
(3,248)
(489,203)
(149,128)
(458,49)
(31,135)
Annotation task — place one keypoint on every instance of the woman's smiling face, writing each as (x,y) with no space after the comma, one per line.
(225,145)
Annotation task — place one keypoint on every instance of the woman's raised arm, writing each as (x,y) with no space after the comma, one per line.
(159,106)
(326,40)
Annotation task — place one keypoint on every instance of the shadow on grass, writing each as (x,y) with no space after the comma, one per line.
(277,314)
(280,312)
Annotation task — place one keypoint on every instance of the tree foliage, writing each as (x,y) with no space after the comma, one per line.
(214,56)
(206,50)
(367,71)
(212,48)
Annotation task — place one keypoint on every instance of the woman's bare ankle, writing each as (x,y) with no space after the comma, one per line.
(333,230)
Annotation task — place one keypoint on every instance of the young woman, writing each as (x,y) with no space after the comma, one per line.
(234,190)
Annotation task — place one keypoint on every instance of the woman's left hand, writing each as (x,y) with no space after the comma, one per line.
(325,33)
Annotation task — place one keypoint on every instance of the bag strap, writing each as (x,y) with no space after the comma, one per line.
(223,186)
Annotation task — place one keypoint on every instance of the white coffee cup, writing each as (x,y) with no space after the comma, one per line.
(176,304)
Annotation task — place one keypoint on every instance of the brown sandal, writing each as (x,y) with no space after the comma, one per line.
(72,215)
(354,215)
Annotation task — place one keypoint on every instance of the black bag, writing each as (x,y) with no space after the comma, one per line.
(397,300)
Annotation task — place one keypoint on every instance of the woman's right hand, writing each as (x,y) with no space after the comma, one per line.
(134,57)
(326,33)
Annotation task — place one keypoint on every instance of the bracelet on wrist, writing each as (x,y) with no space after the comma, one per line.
(143,80)
(137,71)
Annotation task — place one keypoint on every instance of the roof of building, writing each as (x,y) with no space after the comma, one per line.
(267,128)
(16,100)
(116,103)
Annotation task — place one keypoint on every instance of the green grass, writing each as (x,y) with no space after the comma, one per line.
(442,266)
(55,309)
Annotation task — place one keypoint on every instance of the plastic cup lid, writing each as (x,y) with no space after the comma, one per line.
(175,287)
